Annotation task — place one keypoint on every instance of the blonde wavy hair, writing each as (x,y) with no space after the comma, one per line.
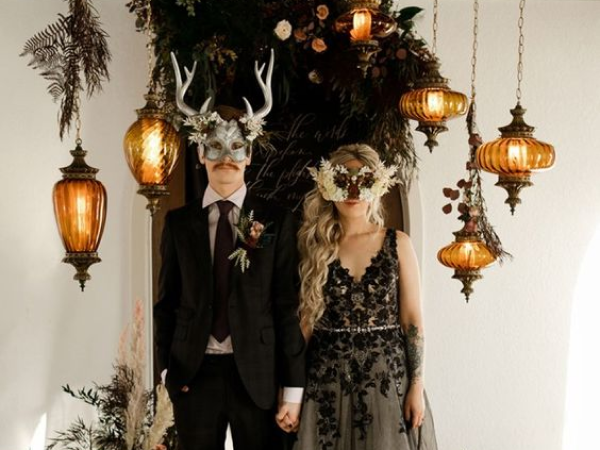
(319,235)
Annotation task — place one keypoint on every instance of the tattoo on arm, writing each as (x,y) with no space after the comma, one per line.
(414,347)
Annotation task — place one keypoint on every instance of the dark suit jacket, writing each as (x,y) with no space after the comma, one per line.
(267,341)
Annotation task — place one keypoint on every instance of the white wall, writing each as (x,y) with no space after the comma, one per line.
(50,333)
(496,368)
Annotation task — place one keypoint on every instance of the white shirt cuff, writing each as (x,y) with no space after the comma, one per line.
(293,394)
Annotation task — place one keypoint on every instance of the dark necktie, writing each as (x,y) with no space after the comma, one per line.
(221,269)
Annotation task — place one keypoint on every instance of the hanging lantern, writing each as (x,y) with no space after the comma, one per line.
(80,211)
(152,147)
(514,156)
(467,255)
(364,23)
(431,103)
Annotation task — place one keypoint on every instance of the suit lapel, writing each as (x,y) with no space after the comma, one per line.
(200,247)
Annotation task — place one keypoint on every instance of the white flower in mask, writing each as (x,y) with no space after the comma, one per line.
(253,126)
(385,178)
(325,179)
(202,125)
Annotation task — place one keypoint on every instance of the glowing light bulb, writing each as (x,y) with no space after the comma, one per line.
(81,212)
(153,157)
(517,155)
(361,26)
(435,103)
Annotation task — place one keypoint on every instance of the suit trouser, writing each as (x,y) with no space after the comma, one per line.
(217,397)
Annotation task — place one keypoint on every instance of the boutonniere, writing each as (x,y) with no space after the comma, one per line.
(251,234)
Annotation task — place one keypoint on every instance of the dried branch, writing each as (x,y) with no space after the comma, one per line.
(73,44)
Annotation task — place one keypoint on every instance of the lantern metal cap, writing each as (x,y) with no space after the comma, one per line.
(153,192)
(153,107)
(353,5)
(79,169)
(518,127)
(431,77)
(81,261)
(513,185)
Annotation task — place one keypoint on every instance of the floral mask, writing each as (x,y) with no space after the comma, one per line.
(337,183)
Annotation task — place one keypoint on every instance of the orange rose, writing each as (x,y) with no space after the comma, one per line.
(401,53)
(322,12)
(300,35)
(318,45)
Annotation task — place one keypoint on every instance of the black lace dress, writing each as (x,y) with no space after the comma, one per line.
(357,367)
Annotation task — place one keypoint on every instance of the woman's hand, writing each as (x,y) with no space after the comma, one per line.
(414,405)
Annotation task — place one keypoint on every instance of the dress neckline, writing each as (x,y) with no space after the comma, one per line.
(369,267)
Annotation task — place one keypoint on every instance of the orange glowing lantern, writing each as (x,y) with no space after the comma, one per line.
(467,255)
(152,147)
(364,23)
(515,156)
(431,103)
(80,211)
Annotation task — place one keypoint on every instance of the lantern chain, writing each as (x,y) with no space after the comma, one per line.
(149,46)
(475,45)
(435,27)
(77,107)
(521,49)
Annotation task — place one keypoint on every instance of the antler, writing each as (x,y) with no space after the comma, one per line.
(265,88)
(181,88)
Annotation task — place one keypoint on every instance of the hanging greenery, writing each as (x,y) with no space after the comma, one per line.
(315,72)
(72,54)
(472,208)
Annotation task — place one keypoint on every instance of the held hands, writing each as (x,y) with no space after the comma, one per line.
(414,405)
(288,415)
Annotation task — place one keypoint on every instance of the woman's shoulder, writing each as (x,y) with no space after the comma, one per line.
(403,241)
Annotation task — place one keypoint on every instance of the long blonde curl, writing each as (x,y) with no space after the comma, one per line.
(320,233)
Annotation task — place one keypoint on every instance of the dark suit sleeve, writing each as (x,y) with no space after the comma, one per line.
(169,293)
(290,342)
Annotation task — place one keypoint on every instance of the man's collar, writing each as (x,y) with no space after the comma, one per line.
(211,196)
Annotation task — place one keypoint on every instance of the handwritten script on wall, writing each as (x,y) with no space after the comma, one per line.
(282,175)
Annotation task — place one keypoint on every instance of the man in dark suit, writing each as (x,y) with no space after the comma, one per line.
(228,334)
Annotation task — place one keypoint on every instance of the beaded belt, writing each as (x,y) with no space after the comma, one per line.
(358,329)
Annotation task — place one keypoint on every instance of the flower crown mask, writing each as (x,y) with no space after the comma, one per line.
(218,137)
(338,183)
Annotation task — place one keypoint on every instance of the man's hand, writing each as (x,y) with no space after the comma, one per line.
(288,416)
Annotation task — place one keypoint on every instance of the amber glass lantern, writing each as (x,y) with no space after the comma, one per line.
(467,255)
(432,103)
(364,23)
(80,211)
(152,147)
(514,156)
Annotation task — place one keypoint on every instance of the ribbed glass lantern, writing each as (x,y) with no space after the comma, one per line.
(80,212)
(432,103)
(152,148)
(467,255)
(515,156)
